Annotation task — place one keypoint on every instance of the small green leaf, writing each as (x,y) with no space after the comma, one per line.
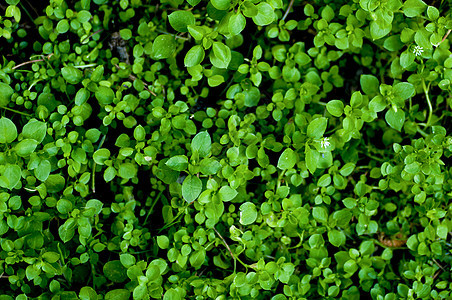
(35,130)
(8,131)
(209,166)
(101,155)
(378,32)
(71,74)
(335,108)
(215,80)
(172,294)
(127,170)
(347,169)
(317,127)
(87,293)
(191,188)
(202,144)
(62,26)
(194,56)
(377,104)
(163,241)
(26,147)
(221,4)
(126,34)
(104,95)
(312,157)
(324,181)
(413,8)
(12,174)
(248,213)
(237,23)
(369,84)
(115,271)
(178,162)
(127,260)
(163,47)
(6,92)
(265,14)
(442,231)
(395,119)
(336,238)
(118,294)
(404,90)
(109,174)
(320,214)
(180,19)
(67,230)
(42,172)
(197,259)
(227,193)
(287,160)
(220,56)
(139,133)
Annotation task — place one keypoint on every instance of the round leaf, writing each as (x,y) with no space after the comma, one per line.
(71,74)
(163,46)
(335,108)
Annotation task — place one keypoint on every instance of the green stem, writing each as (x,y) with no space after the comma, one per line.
(152,207)
(422,132)
(16,111)
(26,11)
(430,107)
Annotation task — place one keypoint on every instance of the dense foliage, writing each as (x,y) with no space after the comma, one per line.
(225,149)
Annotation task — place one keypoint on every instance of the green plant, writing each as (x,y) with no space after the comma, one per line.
(225,149)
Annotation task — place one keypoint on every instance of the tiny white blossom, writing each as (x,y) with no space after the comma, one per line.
(325,142)
(147,158)
(418,50)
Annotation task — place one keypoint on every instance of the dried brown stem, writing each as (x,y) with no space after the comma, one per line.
(32,61)
(226,244)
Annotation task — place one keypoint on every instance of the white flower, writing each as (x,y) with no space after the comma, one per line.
(418,50)
(325,142)
(147,158)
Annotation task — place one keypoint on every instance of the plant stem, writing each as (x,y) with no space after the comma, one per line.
(152,207)
(227,246)
(32,61)
(94,165)
(16,111)
(430,107)
(288,10)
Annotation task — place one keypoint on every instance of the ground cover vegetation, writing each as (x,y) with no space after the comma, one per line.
(225,149)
